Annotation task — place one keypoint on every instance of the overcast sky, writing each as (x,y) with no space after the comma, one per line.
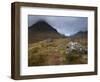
(66,25)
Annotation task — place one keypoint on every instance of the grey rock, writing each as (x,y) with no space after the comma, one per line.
(75,46)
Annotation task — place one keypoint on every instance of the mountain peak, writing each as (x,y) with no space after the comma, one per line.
(41,30)
(41,21)
(42,25)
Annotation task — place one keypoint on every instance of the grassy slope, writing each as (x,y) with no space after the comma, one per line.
(54,53)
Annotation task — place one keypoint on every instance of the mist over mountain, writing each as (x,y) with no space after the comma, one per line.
(66,25)
(41,26)
(41,30)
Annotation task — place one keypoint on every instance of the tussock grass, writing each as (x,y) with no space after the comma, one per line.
(54,53)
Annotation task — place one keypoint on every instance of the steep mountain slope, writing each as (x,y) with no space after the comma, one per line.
(41,30)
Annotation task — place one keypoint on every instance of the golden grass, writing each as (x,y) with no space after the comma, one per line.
(54,53)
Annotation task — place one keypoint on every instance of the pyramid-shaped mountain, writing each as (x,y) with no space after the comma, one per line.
(41,30)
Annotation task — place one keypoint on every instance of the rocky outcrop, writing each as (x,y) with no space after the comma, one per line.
(76,47)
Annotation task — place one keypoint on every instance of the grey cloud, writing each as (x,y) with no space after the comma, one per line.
(66,25)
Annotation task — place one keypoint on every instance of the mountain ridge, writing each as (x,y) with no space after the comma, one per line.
(41,30)
(80,34)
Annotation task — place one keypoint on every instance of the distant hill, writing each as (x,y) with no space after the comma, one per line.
(80,34)
(41,30)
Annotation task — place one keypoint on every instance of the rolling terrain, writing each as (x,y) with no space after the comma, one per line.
(48,47)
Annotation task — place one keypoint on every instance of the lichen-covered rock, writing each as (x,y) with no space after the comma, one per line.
(75,46)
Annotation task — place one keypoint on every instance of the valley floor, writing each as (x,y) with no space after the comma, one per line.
(55,52)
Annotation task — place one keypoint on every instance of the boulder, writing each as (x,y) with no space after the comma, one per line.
(75,46)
